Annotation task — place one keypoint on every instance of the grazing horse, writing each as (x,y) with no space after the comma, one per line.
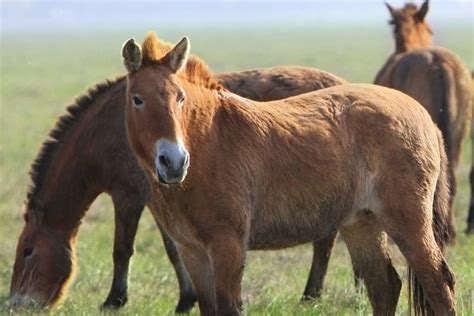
(91,138)
(268,84)
(236,174)
(434,76)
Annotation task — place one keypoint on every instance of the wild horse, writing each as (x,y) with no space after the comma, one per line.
(234,174)
(435,77)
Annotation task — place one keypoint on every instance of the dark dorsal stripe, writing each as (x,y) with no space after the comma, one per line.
(49,148)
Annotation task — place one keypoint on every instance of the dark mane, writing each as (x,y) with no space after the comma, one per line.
(404,13)
(410,7)
(196,71)
(49,148)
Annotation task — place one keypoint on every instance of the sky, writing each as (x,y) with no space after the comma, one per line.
(88,15)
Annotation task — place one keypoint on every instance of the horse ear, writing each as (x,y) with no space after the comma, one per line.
(390,9)
(421,13)
(132,55)
(176,58)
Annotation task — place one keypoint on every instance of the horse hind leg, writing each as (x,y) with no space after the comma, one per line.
(321,253)
(409,222)
(367,245)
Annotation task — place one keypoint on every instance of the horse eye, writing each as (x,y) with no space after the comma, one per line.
(137,101)
(27,252)
(181,97)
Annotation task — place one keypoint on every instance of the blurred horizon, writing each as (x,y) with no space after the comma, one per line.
(88,16)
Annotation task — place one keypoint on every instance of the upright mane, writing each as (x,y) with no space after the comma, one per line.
(196,70)
(49,148)
(410,7)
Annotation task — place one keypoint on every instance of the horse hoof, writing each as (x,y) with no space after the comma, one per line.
(113,303)
(309,298)
(470,229)
(186,303)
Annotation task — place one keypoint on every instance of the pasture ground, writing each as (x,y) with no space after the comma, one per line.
(41,74)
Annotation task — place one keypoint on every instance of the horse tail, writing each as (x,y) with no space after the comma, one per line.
(447,96)
(443,233)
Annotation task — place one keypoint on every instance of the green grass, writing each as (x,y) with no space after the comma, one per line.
(42,74)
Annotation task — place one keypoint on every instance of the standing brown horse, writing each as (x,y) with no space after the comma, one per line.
(434,76)
(91,139)
(236,174)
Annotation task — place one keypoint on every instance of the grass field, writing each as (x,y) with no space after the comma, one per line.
(40,74)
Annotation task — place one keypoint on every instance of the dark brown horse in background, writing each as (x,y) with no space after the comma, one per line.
(236,174)
(434,76)
(87,154)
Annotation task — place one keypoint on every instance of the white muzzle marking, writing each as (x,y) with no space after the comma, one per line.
(172,160)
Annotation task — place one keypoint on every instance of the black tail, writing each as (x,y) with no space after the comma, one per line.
(443,232)
(442,78)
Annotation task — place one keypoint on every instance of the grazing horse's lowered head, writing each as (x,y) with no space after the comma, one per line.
(409,27)
(160,100)
(44,265)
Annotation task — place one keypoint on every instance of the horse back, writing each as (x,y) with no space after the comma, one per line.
(309,162)
(267,84)
(440,81)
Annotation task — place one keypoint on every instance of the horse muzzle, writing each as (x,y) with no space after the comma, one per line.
(172,161)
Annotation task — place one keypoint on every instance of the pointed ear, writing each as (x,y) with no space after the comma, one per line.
(176,58)
(420,15)
(132,55)
(390,9)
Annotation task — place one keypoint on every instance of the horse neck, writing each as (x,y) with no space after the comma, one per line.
(422,40)
(223,116)
(76,173)
(65,208)
(211,105)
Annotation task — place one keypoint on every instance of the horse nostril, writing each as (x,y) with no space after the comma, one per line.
(164,161)
(186,160)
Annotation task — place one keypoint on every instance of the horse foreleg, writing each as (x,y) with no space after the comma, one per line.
(187,295)
(228,256)
(199,265)
(321,254)
(127,215)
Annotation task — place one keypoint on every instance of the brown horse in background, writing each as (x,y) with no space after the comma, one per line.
(268,84)
(235,174)
(91,138)
(434,76)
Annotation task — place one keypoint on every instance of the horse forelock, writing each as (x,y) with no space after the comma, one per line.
(196,70)
(404,13)
(410,7)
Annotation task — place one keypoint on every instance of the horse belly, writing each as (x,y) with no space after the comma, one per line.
(282,228)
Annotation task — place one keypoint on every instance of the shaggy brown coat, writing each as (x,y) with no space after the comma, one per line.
(364,159)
